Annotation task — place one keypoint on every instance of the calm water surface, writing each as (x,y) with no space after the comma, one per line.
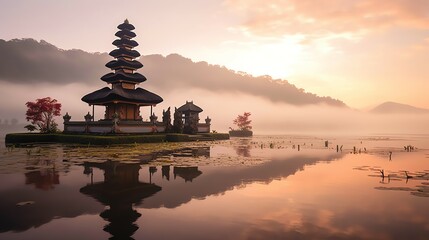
(258,188)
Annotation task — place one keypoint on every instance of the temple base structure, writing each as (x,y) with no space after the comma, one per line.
(126,126)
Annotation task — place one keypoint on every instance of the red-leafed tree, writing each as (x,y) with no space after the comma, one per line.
(41,114)
(243,122)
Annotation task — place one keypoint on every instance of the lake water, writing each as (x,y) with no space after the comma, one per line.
(265,187)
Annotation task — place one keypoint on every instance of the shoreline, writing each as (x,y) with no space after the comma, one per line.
(30,138)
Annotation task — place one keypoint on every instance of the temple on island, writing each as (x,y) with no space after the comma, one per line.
(122,99)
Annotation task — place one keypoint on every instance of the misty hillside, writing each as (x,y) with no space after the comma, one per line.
(26,61)
(392,107)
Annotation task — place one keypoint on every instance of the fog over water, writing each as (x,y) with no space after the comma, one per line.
(268,117)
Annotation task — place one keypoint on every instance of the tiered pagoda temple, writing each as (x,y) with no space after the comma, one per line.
(122,101)
(123,98)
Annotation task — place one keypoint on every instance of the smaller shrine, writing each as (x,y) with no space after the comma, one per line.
(190,116)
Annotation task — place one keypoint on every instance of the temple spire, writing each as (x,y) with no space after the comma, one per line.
(123,98)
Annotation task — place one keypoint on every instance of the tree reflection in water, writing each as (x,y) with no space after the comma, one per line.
(243,147)
(42,173)
(120,189)
(44,179)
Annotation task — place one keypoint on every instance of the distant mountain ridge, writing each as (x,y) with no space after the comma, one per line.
(393,107)
(27,61)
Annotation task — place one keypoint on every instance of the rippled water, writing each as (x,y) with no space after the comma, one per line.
(257,188)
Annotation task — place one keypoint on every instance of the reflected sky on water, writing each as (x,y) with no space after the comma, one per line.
(258,188)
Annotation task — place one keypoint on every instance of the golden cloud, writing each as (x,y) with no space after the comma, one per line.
(276,18)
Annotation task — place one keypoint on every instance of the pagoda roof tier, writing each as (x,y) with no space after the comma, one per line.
(106,95)
(126,25)
(125,42)
(123,77)
(189,107)
(125,33)
(121,52)
(122,63)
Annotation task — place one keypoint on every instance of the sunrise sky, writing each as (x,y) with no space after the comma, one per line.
(363,52)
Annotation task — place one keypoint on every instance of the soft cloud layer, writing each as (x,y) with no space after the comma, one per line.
(363,52)
(30,62)
(325,17)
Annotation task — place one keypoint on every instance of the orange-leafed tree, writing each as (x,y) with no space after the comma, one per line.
(41,114)
(243,122)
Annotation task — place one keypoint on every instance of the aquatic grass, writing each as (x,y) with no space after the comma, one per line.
(157,153)
(396,188)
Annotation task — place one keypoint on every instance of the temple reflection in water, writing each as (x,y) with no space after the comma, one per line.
(120,189)
(187,173)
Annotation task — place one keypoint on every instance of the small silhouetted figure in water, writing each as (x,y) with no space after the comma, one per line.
(409,148)
(298,147)
(382,173)
(407,176)
(382,176)
(341,148)
(390,156)
(326,143)
(338,148)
